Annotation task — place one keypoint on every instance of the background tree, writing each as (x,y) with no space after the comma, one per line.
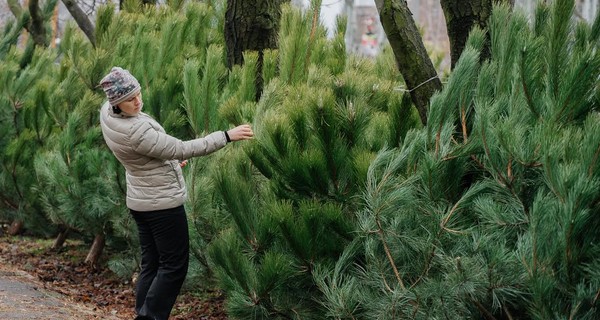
(251,26)
(24,129)
(461,17)
(496,220)
(413,62)
(318,124)
(37,18)
(82,20)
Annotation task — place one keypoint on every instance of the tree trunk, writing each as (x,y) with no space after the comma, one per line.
(61,238)
(35,27)
(96,250)
(461,16)
(411,57)
(82,20)
(251,25)
(16,228)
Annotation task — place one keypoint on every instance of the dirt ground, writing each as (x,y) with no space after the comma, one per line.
(39,283)
(24,297)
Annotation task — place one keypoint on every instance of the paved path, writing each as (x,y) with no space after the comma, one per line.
(22,297)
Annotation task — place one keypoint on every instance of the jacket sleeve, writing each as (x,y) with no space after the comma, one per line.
(150,141)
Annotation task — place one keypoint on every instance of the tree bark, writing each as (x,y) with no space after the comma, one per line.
(35,27)
(251,26)
(96,250)
(411,56)
(461,16)
(16,227)
(82,20)
(61,238)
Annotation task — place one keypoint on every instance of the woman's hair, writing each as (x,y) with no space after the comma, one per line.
(116,109)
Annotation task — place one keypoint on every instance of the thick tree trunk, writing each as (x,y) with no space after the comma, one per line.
(95,251)
(82,20)
(251,26)
(16,228)
(411,57)
(461,16)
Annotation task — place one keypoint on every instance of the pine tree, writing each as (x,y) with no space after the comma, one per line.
(318,124)
(24,129)
(490,210)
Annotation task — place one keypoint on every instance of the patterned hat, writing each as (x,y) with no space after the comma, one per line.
(119,85)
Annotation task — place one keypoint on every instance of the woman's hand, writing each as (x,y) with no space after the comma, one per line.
(242,132)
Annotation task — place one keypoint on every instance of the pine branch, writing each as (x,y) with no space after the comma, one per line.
(36,27)
(508,314)
(388,253)
(82,20)
(14,179)
(479,164)
(463,120)
(438,139)
(486,148)
(9,203)
(427,264)
(311,39)
(528,98)
(488,315)
(593,163)
(574,310)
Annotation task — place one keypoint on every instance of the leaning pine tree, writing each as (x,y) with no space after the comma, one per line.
(492,210)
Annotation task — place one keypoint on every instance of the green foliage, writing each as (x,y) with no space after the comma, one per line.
(278,220)
(203,110)
(319,123)
(490,210)
(24,129)
(11,33)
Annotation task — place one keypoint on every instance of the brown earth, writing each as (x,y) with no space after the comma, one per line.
(39,283)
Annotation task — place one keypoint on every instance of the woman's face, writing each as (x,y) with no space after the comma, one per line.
(133,105)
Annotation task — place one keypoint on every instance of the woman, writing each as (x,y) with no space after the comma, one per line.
(155,188)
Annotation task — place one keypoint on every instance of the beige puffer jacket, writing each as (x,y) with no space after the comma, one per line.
(151,158)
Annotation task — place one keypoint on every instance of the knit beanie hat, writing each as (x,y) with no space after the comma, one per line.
(119,85)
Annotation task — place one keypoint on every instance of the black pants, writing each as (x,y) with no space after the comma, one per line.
(164,241)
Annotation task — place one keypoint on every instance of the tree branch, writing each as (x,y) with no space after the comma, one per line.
(36,27)
(15,8)
(82,20)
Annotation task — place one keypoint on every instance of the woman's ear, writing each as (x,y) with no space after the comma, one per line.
(116,109)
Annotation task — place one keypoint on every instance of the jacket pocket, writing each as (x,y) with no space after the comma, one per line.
(177,172)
